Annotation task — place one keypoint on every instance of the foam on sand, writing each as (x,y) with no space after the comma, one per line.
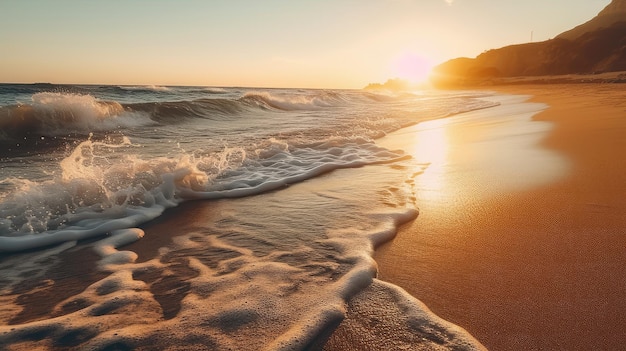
(218,284)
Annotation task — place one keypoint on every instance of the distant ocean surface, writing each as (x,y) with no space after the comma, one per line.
(196,217)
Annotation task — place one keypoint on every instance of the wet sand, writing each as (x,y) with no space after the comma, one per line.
(525,258)
(519,238)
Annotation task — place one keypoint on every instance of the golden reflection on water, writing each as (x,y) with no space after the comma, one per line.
(431,147)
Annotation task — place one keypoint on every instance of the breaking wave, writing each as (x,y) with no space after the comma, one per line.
(105,186)
(322,99)
(54,114)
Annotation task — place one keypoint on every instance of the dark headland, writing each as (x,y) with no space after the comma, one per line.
(591,52)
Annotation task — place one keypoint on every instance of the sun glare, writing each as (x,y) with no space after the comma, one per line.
(432,147)
(412,67)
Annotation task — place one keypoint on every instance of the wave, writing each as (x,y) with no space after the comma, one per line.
(215,90)
(55,114)
(151,88)
(59,114)
(321,99)
(176,111)
(104,186)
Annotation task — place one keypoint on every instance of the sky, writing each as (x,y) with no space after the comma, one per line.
(263,43)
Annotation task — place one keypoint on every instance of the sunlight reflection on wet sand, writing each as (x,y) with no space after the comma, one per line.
(481,154)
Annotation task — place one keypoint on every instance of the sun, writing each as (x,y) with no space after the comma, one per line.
(412,67)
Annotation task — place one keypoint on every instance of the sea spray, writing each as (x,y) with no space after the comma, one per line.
(102,189)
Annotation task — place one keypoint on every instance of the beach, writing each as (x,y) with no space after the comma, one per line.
(313,176)
(207,218)
(536,260)
(440,220)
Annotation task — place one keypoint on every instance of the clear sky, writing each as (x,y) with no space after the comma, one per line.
(263,43)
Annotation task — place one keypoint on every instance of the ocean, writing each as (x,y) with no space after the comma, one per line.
(203,218)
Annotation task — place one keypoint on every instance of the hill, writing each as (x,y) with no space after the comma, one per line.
(615,12)
(598,46)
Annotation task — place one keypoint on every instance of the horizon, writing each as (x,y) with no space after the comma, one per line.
(277,44)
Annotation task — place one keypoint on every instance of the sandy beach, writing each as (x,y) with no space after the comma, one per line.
(528,257)
(319,176)
(519,241)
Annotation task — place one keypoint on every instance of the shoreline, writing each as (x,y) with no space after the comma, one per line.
(384,316)
(537,268)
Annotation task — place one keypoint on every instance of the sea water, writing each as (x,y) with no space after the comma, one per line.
(147,217)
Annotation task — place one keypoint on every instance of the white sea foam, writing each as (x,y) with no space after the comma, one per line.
(222,285)
(252,268)
(58,114)
(104,186)
(107,248)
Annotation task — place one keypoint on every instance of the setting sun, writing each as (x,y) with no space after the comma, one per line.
(411,67)
(306,44)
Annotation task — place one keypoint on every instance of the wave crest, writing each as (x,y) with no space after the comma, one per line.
(54,114)
(150,88)
(104,186)
(321,99)
(172,112)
